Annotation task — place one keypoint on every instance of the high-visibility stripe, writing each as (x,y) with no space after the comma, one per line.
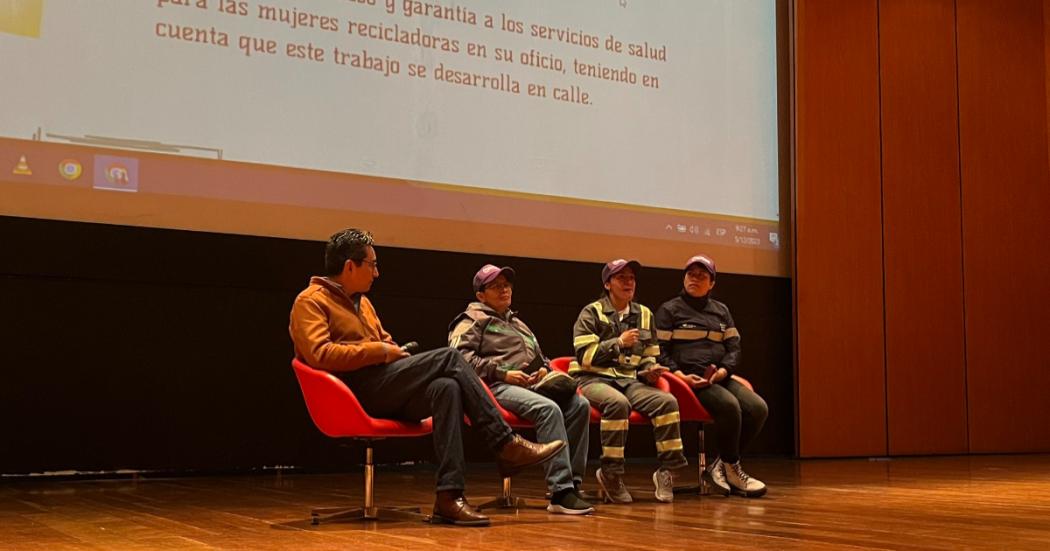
(696,334)
(666,419)
(584,340)
(652,350)
(646,316)
(669,445)
(646,361)
(612,451)
(732,332)
(613,424)
(664,335)
(588,355)
(598,308)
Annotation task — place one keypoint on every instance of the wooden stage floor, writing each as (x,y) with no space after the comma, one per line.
(983,502)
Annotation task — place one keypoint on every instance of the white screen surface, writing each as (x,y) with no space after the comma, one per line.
(689,141)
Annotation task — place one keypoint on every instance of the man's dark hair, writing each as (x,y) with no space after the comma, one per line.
(349,244)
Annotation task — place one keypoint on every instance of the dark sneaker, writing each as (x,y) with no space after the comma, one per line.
(569,502)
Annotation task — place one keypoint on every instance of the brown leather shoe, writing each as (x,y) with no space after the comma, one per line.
(450,507)
(520,453)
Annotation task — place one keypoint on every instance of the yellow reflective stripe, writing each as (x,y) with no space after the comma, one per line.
(584,340)
(652,350)
(669,445)
(612,451)
(588,355)
(732,332)
(646,316)
(598,308)
(666,419)
(614,424)
(696,334)
(664,335)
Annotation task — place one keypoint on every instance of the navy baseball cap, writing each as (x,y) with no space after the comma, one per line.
(488,273)
(704,261)
(616,266)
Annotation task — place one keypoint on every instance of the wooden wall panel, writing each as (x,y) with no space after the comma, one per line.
(1006,206)
(838,235)
(922,234)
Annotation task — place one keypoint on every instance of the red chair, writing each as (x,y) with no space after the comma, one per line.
(506,499)
(692,411)
(337,413)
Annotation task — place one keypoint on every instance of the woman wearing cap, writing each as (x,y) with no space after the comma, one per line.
(506,355)
(616,352)
(701,345)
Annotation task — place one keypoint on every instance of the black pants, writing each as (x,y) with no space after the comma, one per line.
(438,383)
(739,415)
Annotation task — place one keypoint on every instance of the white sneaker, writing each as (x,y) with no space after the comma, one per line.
(715,477)
(613,488)
(663,479)
(742,483)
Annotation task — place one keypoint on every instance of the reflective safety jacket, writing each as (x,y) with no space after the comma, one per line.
(595,341)
(494,344)
(697,332)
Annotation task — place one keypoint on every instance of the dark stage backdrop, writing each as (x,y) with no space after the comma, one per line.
(134,348)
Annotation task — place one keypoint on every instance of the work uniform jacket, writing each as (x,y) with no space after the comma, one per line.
(595,340)
(697,332)
(495,344)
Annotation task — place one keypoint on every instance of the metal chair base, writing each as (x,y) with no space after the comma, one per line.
(368,511)
(507,500)
(351,514)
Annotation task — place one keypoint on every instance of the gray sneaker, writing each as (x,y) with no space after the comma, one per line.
(570,503)
(715,476)
(613,487)
(663,479)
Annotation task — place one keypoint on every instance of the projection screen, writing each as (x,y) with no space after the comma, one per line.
(584,129)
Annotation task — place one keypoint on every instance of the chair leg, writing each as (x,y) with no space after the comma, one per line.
(369,511)
(506,500)
(701,464)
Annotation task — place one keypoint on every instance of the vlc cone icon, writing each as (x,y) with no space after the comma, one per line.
(22,168)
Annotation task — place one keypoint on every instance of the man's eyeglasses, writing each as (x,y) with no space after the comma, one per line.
(373,263)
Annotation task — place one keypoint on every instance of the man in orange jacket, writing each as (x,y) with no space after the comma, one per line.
(335,328)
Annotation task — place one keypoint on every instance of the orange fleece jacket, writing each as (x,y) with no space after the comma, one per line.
(331,333)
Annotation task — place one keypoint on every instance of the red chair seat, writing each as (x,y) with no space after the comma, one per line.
(337,413)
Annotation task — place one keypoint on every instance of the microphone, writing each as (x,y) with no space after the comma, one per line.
(410,347)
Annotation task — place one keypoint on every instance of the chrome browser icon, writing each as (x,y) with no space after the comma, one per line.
(70,169)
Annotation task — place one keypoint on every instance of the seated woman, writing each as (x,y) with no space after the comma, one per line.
(506,355)
(616,353)
(701,345)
